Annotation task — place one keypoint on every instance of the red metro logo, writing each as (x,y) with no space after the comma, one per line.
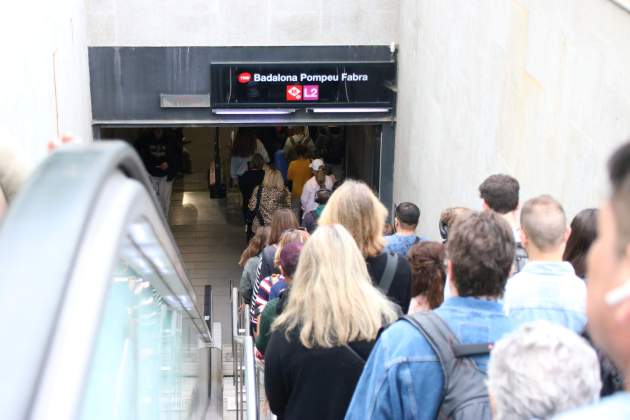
(294,92)
(244,77)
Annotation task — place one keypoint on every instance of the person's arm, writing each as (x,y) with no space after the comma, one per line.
(306,192)
(275,386)
(264,326)
(246,286)
(287,198)
(253,199)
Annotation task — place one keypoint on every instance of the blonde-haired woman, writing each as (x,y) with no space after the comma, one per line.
(355,206)
(268,197)
(324,335)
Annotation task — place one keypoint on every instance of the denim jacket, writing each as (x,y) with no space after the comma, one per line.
(547,290)
(403,378)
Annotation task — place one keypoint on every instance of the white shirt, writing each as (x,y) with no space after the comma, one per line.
(310,189)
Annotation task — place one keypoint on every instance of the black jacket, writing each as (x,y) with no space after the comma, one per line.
(312,383)
(248,181)
(400,290)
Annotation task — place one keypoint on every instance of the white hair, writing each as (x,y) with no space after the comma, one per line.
(540,370)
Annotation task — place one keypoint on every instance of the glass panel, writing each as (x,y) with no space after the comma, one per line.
(146,360)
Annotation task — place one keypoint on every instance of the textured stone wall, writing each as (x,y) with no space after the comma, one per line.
(242,22)
(537,89)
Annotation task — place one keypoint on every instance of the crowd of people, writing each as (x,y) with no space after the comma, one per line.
(297,178)
(515,314)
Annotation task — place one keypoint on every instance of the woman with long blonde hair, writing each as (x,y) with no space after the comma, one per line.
(355,206)
(324,335)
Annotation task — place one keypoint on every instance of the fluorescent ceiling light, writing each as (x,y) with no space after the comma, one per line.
(254,111)
(348,110)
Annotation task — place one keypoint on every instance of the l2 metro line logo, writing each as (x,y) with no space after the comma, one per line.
(294,92)
(244,77)
(311,92)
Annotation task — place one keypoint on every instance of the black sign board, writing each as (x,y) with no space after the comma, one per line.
(302,85)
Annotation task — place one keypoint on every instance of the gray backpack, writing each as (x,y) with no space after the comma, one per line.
(465,392)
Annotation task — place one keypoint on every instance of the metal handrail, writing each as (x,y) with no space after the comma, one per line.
(215,409)
(234,331)
(246,374)
(250,379)
(67,188)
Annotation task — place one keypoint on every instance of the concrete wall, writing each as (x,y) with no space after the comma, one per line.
(242,22)
(44,76)
(201,146)
(537,89)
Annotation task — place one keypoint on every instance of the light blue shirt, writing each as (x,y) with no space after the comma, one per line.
(614,407)
(400,244)
(547,290)
(403,378)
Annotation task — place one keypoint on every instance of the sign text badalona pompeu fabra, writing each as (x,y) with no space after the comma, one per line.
(306,77)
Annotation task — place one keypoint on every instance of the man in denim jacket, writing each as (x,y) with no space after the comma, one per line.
(403,377)
(547,287)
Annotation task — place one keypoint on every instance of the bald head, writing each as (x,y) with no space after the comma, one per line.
(544,222)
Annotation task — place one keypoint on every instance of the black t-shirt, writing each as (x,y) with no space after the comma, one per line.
(155,151)
(315,383)
(400,289)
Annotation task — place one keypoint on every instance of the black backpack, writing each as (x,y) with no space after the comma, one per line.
(465,392)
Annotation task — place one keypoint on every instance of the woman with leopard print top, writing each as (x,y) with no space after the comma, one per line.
(273,195)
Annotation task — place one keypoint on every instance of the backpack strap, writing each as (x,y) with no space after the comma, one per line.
(470,350)
(520,257)
(356,355)
(388,274)
(464,382)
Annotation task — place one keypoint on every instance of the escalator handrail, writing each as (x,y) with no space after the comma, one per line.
(40,239)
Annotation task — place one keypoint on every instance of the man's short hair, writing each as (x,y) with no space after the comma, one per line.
(619,173)
(480,248)
(500,192)
(408,214)
(544,222)
(541,370)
